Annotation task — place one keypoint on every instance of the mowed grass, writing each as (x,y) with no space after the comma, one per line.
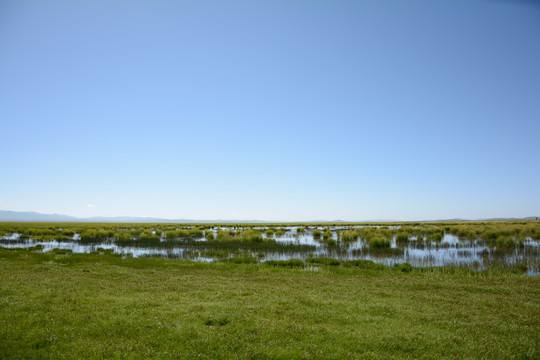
(56,306)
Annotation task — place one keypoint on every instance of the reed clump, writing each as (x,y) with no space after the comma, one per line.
(402,238)
(378,242)
(349,235)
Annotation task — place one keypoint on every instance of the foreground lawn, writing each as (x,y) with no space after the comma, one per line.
(101,306)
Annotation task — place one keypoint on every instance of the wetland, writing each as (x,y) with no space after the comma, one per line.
(473,245)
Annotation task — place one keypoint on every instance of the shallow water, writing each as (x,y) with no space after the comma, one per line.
(450,251)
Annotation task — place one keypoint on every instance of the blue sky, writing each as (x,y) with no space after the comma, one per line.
(274,110)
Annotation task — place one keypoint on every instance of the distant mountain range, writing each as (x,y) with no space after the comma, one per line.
(31,216)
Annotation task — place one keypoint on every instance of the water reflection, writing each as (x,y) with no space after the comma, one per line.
(449,251)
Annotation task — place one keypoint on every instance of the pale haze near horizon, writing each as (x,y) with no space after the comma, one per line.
(291,110)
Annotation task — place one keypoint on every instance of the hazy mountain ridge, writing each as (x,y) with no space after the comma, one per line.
(32,216)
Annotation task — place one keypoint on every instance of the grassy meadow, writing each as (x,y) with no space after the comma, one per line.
(61,305)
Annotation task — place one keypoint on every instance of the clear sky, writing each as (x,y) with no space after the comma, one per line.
(274,110)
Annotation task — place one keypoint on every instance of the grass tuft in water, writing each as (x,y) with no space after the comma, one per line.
(378,242)
(402,238)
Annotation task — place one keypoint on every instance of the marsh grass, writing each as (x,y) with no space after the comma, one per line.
(323,261)
(378,242)
(504,239)
(240,244)
(349,235)
(383,251)
(327,235)
(182,234)
(402,238)
(285,263)
(280,232)
(220,254)
(507,242)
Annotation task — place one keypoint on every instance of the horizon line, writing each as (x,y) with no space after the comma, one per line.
(152,219)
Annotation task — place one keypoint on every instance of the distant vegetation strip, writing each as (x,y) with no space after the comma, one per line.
(500,234)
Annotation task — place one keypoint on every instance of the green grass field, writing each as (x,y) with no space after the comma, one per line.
(55,306)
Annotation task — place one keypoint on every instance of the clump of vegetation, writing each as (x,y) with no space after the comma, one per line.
(437,237)
(251,235)
(61,251)
(183,234)
(285,263)
(317,234)
(331,242)
(402,238)
(246,235)
(96,235)
(323,261)
(221,254)
(349,235)
(363,264)
(225,234)
(506,242)
(327,234)
(280,232)
(378,242)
